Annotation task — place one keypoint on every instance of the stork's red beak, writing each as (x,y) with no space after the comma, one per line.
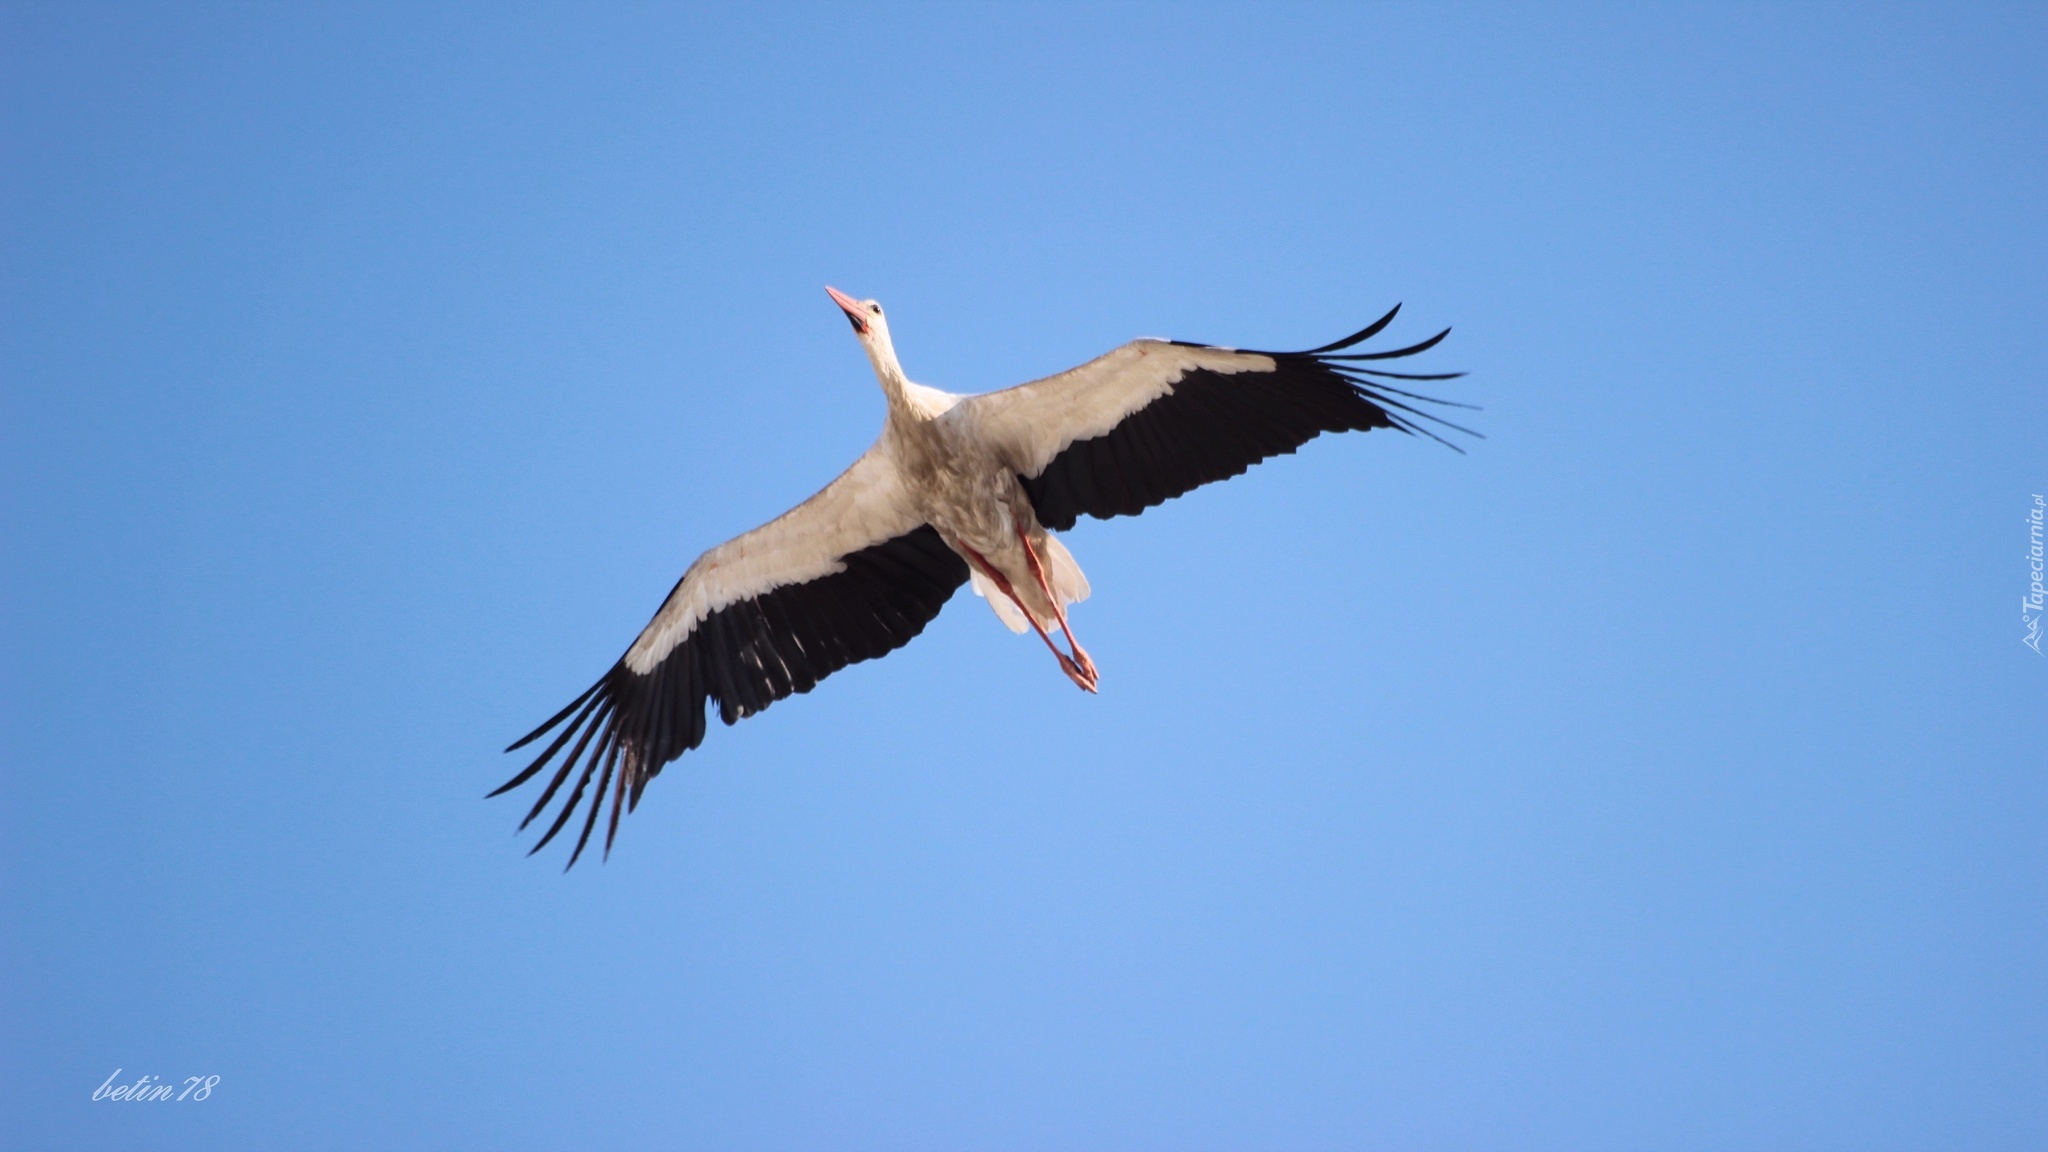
(855,314)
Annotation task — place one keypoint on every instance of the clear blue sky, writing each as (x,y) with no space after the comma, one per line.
(1668,773)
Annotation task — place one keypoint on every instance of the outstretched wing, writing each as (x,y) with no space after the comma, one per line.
(1156,418)
(848,575)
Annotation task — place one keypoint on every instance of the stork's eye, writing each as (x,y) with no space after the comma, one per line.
(875,308)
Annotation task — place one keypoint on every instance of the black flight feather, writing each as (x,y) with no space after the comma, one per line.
(1363,334)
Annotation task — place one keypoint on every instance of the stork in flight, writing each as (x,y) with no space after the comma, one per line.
(957,489)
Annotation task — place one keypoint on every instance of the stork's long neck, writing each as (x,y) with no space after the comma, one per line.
(897,388)
(887,370)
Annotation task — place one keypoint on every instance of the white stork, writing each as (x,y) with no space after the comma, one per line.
(956,489)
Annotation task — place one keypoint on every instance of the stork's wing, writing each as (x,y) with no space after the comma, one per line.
(1155,418)
(848,575)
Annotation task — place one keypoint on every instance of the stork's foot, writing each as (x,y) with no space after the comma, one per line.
(1081,672)
(1084,664)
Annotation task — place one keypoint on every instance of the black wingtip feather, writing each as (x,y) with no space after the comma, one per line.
(576,795)
(1366,333)
(542,759)
(618,801)
(595,723)
(1374,387)
(1434,419)
(1418,430)
(611,761)
(1380,372)
(1397,353)
(537,733)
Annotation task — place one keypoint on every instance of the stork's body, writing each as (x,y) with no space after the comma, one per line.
(956,489)
(965,488)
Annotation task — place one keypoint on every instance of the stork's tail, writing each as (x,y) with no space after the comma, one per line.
(1005,608)
(1067,580)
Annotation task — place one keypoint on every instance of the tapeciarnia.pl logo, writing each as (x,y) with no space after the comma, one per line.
(2031,603)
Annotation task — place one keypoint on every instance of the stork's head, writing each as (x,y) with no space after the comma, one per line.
(873,329)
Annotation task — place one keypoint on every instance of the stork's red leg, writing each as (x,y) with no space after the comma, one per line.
(1059,610)
(1084,679)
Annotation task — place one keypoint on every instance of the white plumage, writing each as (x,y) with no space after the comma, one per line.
(956,489)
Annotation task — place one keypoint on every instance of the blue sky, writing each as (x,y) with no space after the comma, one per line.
(1664,774)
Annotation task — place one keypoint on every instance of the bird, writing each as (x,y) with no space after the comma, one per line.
(957,489)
